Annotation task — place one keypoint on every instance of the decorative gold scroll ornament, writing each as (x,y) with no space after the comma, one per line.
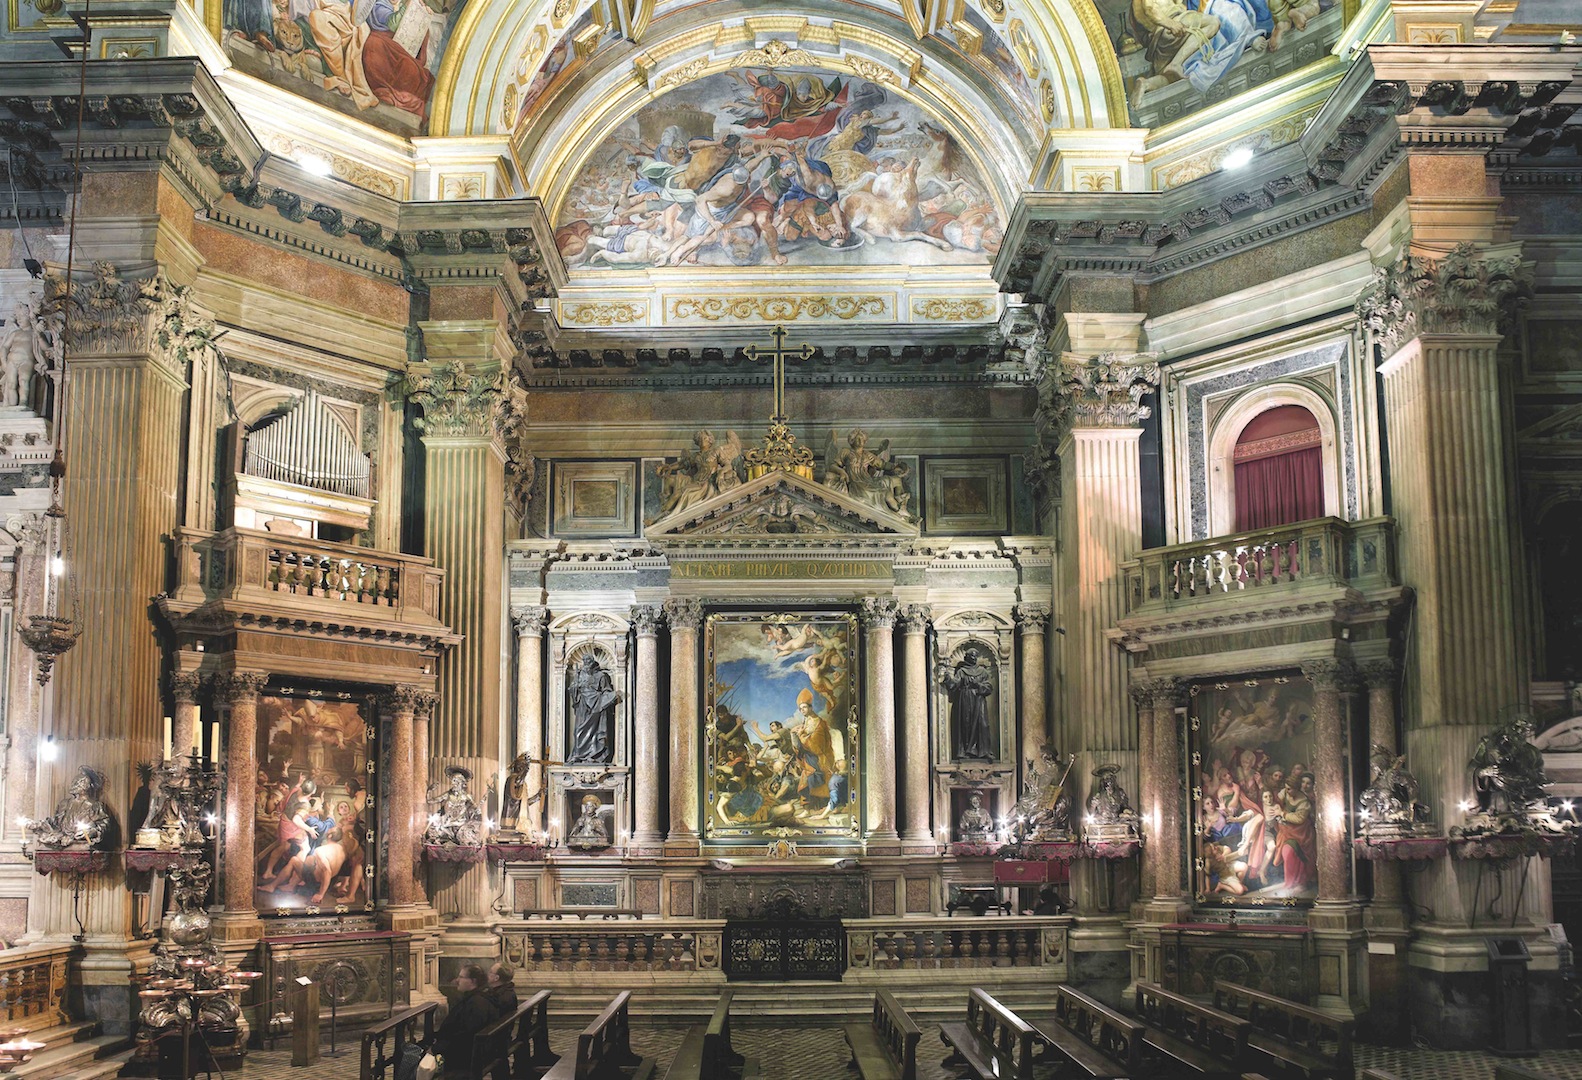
(776,308)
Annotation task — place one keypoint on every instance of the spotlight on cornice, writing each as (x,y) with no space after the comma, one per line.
(320,167)
(1238,158)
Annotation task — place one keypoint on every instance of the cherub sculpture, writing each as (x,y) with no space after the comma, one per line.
(80,820)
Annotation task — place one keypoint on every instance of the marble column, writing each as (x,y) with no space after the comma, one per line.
(1173,792)
(1379,676)
(400,703)
(24,697)
(529,623)
(239,690)
(685,615)
(916,829)
(878,616)
(646,837)
(1149,790)
(422,716)
(1329,778)
(1033,621)
(184,687)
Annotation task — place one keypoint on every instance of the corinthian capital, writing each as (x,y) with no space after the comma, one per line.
(1032,618)
(684,613)
(458,401)
(645,619)
(111,313)
(238,686)
(1094,392)
(915,618)
(879,612)
(1460,293)
(529,621)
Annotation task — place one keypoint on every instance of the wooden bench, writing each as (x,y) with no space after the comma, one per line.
(1093,1038)
(885,1048)
(1194,1037)
(604,1049)
(1293,1036)
(706,1053)
(521,1038)
(993,1043)
(386,1041)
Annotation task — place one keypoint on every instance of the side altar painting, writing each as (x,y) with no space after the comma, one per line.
(759,167)
(374,59)
(781,740)
(314,843)
(1255,834)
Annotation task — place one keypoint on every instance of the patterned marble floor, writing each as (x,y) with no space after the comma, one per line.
(819,1053)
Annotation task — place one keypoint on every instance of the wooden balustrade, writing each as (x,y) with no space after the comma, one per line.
(1323,552)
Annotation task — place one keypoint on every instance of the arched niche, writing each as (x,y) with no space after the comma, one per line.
(1228,428)
(570,637)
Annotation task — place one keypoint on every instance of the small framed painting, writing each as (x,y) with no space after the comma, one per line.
(965,495)
(594,498)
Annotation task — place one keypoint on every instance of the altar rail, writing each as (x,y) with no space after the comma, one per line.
(266,569)
(872,945)
(1321,552)
(33,986)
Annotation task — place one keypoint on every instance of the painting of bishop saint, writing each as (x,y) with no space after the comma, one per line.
(781,740)
(758,167)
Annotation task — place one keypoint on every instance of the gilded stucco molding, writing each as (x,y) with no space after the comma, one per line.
(950,309)
(778,308)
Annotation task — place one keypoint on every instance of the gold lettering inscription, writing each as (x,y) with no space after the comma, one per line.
(792,569)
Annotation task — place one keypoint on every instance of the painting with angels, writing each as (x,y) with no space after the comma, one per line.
(759,167)
(781,741)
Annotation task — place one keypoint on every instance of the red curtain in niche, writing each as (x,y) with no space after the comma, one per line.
(1279,489)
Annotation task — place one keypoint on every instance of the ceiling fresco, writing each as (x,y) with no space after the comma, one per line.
(792,166)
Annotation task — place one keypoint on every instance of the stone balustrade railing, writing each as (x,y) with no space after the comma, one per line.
(872,945)
(1323,552)
(33,986)
(265,570)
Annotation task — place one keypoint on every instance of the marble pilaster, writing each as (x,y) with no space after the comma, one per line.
(916,829)
(1033,622)
(529,624)
(646,836)
(878,616)
(685,616)
(239,691)
(24,697)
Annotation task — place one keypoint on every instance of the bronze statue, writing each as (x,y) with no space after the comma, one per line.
(1389,803)
(80,820)
(1109,811)
(592,694)
(1043,813)
(1508,770)
(457,820)
(975,826)
(969,687)
(589,831)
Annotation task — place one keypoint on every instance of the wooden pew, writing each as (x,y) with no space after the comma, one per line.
(1293,1036)
(706,1053)
(1095,1039)
(386,1041)
(1505,1070)
(993,1043)
(515,1047)
(1194,1038)
(604,1049)
(1380,1074)
(885,1048)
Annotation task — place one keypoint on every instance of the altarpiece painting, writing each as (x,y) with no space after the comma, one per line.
(314,841)
(782,745)
(1255,836)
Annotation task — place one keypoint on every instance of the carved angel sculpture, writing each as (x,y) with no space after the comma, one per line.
(700,473)
(871,475)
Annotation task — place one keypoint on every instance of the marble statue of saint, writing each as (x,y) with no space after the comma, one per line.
(969,687)
(700,473)
(975,826)
(872,475)
(456,819)
(593,697)
(80,820)
(589,830)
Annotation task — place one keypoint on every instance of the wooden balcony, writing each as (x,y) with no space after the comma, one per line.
(245,580)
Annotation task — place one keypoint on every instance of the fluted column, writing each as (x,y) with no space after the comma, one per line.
(645,748)
(914,732)
(1171,787)
(239,690)
(1329,777)
(184,687)
(685,615)
(1379,676)
(1149,789)
(422,716)
(529,623)
(400,883)
(878,616)
(1033,620)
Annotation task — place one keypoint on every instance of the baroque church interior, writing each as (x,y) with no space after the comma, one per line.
(1063,513)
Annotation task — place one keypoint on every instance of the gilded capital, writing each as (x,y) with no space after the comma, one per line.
(184,686)
(915,618)
(684,613)
(1032,618)
(1460,293)
(529,620)
(880,612)
(237,687)
(646,619)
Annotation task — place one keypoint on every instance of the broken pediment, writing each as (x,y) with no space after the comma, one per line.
(781,505)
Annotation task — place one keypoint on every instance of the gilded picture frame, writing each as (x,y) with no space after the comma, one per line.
(782,744)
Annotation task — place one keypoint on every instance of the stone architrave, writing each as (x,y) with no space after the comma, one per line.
(645,620)
(878,616)
(1033,621)
(529,622)
(400,702)
(914,619)
(1329,775)
(240,690)
(685,616)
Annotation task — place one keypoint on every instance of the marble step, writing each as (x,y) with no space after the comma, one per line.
(76,1053)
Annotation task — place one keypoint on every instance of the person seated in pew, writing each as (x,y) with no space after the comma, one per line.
(501,990)
(470,1012)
